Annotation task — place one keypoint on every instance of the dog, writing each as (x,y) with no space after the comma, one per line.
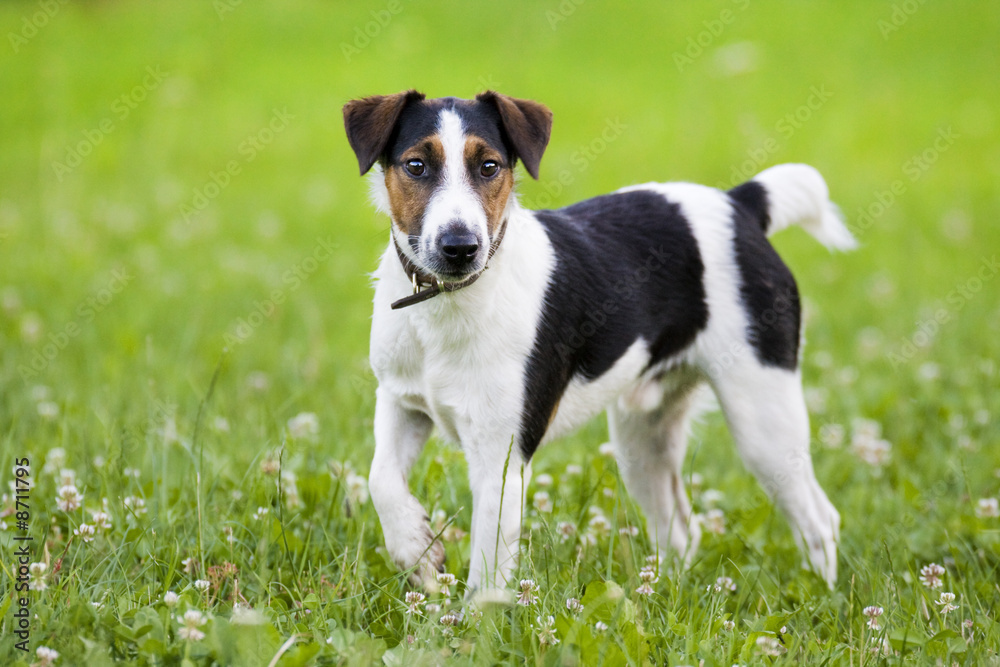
(506,328)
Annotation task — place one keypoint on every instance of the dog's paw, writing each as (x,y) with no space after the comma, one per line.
(420,552)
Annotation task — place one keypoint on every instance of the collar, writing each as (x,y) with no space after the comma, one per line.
(426,286)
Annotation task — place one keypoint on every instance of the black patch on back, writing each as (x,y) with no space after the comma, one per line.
(752,196)
(627,266)
(770,295)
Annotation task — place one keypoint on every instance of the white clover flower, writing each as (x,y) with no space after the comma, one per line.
(527,595)
(873,614)
(261,513)
(48,410)
(450,621)
(135,505)
(357,489)
(102,521)
(769,646)
(270,466)
(290,488)
(190,565)
(728,625)
(202,585)
(573,470)
(304,425)
(574,606)
(547,631)
(258,381)
(866,428)
(169,431)
(38,573)
(601,626)
(544,480)
(192,620)
(647,576)
(414,600)
(67,477)
(46,656)
(715,522)
(85,532)
(452,533)
(542,502)
(988,508)
(712,497)
(945,601)
(607,449)
(930,575)
(872,450)
(171,599)
(599,525)
(629,531)
(432,608)
(69,498)
(446,580)
(566,530)
(722,584)
(134,473)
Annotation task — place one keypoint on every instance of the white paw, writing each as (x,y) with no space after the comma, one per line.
(420,552)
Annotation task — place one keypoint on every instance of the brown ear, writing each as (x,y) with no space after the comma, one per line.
(370,121)
(527,124)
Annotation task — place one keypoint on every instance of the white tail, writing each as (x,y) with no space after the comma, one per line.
(797,194)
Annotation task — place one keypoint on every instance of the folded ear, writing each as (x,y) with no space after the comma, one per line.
(370,121)
(527,124)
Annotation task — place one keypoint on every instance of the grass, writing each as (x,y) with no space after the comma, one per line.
(175,296)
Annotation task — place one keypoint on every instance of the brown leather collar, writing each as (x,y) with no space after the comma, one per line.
(427,286)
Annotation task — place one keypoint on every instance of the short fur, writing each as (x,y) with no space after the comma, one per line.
(629,302)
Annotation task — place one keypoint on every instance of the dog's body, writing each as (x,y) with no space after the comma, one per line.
(628,302)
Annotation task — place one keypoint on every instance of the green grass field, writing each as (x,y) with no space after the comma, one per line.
(184,243)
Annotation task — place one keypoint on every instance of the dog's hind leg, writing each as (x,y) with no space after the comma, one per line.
(767,416)
(649,432)
(400,435)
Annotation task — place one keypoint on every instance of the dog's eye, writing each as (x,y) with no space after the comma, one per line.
(489,169)
(415,167)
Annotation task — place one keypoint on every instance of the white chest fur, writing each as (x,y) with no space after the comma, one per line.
(460,357)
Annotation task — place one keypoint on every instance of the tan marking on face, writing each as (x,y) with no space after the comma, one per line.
(494,192)
(409,196)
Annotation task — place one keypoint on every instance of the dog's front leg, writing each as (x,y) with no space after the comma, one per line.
(400,435)
(497,506)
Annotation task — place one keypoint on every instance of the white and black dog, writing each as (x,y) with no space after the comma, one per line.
(506,328)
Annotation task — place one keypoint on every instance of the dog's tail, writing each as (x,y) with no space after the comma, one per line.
(790,194)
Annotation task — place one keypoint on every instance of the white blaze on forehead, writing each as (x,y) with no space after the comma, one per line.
(455,200)
(453,140)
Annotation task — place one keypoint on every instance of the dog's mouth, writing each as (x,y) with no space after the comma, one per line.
(438,268)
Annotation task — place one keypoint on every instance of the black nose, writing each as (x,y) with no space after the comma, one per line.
(459,248)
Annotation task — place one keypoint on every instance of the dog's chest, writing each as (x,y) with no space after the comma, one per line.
(460,362)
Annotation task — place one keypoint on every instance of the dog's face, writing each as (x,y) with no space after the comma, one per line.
(447,166)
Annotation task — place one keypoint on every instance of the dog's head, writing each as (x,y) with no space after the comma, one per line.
(447,166)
